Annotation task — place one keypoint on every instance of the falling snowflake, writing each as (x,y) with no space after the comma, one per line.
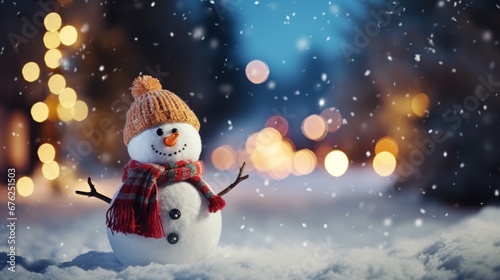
(418,222)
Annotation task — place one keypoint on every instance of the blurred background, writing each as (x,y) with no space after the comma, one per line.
(406,90)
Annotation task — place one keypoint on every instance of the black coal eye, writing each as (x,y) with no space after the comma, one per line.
(174,130)
(159,131)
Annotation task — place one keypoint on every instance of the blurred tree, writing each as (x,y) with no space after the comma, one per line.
(439,49)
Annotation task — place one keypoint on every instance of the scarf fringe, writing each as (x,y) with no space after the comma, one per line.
(120,218)
(216,203)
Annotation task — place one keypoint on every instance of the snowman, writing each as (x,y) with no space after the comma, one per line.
(163,212)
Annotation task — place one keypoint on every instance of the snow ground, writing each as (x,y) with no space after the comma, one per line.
(312,227)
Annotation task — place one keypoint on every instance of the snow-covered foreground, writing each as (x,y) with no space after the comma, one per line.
(313,227)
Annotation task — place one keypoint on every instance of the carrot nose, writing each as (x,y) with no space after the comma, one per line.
(171,139)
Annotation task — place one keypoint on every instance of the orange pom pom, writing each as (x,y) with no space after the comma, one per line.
(143,84)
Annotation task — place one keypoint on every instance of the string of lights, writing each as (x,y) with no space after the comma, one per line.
(61,104)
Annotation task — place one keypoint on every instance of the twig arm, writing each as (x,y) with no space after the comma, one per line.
(236,182)
(93,192)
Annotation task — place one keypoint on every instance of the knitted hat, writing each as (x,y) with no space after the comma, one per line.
(152,106)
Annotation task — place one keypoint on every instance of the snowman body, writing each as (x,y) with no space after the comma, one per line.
(191,231)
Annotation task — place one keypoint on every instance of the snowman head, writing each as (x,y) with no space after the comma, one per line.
(160,128)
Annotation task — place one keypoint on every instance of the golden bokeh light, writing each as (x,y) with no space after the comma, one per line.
(270,153)
(387,144)
(51,39)
(25,186)
(282,170)
(81,111)
(314,127)
(31,71)
(384,163)
(65,114)
(336,163)
(223,157)
(56,83)
(46,152)
(268,136)
(50,170)
(420,104)
(333,118)
(39,112)
(279,156)
(67,97)
(52,22)
(303,162)
(68,35)
(53,58)
(251,143)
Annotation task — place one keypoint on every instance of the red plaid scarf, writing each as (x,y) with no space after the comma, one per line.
(136,209)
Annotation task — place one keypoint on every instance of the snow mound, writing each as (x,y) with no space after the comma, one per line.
(467,250)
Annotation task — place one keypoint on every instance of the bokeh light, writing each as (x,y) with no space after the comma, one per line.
(31,71)
(333,118)
(268,136)
(251,142)
(336,163)
(81,111)
(270,153)
(51,39)
(39,112)
(25,186)
(279,123)
(53,58)
(56,83)
(68,35)
(303,162)
(50,170)
(257,71)
(52,22)
(420,104)
(46,152)
(281,170)
(223,157)
(384,163)
(65,114)
(67,97)
(314,127)
(387,144)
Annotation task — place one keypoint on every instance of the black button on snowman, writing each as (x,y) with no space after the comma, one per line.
(173,238)
(160,182)
(175,214)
